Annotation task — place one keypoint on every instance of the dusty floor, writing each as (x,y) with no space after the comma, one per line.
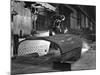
(86,62)
(31,65)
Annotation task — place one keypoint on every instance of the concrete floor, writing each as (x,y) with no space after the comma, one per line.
(28,65)
(86,62)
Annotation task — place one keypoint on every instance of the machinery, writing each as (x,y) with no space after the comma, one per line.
(61,47)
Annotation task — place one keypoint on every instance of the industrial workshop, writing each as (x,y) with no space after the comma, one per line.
(52,37)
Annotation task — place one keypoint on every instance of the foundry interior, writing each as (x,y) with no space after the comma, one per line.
(41,32)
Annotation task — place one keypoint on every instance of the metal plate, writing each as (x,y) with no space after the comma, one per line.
(33,46)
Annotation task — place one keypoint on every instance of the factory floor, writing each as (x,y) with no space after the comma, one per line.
(27,65)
